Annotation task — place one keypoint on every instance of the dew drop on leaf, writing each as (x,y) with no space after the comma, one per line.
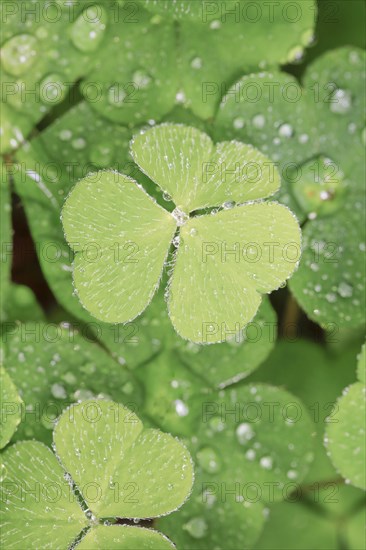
(19,53)
(208,460)
(196,527)
(88,30)
(259,121)
(341,102)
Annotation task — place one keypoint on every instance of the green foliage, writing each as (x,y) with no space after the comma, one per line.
(11,407)
(157,131)
(118,282)
(92,440)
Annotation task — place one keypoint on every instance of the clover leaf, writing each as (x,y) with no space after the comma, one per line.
(10,407)
(65,366)
(113,463)
(223,262)
(345,434)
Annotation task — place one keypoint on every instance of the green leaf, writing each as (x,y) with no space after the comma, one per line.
(185,164)
(280,123)
(195,10)
(336,83)
(361,364)
(11,408)
(223,364)
(216,53)
(304,529)
(21,305)
(40,508)
(130,236)
(123,537)
(250,447)
(316,376)
(35,44)
(77,143)
(6,242)
(345,435)
(142,473)
(64,366)
(173,394)
(329,282)
(173,157)
(143,85)
(224,275)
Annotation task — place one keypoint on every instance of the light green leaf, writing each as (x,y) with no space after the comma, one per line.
(123,537)
(174,157)
(141,473)
(64,366)
(11,407)
(185,164)
(129,235)
(345,435)
(329,282)
(223,273)
(41,510)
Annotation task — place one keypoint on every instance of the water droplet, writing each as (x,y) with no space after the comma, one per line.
(196,63)
(193,232)
(308,37)
(19,53)
(196,527)
(116,96)
(216,424)
(180,97)
(303,138)
(65,135)
(345,290)
(266,462)
(181,408)
(208,460)
(88,30)
(244,432)
(176,241)
(295,55)
(58,391)
(167,197)
(228,205)
(216,24)
(180,216)
(341,102)
(79,143)
(238,123)
(141,79)
(286,130)
(292,474)
(259,121)
(52,89)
